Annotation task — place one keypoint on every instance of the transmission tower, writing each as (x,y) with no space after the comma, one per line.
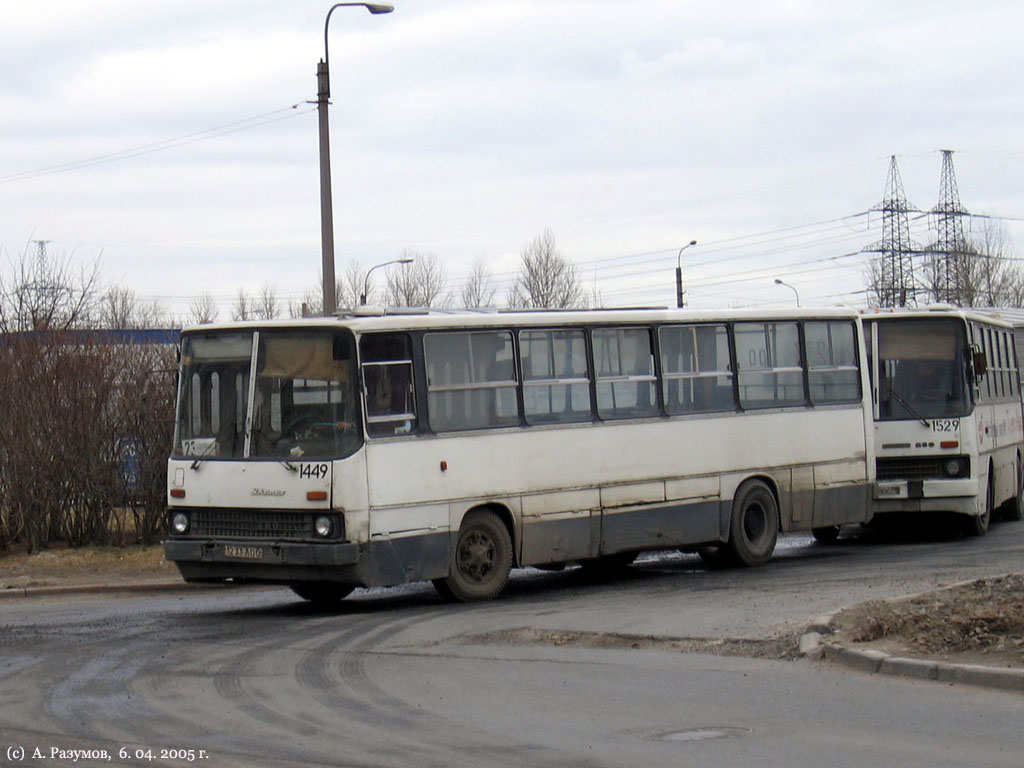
(894,265)
(949,267)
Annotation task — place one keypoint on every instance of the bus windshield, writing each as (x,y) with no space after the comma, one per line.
(301,402)
(923,370)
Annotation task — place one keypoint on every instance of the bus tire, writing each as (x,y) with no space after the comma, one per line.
(754,527)
(977,525)
(1013,510)
(827,534)
(322,592)
(481,561)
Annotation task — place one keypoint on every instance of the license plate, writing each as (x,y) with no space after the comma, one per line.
(244,553)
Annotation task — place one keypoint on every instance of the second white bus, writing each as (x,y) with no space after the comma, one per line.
(949,432)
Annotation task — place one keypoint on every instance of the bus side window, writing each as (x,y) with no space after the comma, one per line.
(831,352)
(768,358)
(556,387)
(624,362)
(471,380)
(388,384)
(696,369)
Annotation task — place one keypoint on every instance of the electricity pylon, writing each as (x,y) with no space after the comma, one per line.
(894,265)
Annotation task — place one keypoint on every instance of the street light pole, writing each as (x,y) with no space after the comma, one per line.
(794,290)
(323,95)
(679,275)
(366,281)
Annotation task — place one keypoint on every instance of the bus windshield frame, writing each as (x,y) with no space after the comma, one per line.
(923,369)
(274,394)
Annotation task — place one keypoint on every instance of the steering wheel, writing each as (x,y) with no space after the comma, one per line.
(298,424)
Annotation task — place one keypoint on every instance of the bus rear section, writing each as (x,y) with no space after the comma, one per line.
(947,416)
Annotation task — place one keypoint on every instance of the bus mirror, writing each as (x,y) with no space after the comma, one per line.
(341,348)
(980,364)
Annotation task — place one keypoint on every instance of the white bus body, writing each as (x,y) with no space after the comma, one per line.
(583,436)
(949,434)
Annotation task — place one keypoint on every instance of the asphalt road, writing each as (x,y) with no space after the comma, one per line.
(258,678)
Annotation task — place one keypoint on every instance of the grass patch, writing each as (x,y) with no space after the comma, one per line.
(84,565)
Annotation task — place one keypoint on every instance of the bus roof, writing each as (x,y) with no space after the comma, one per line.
(376,319)
(989,315)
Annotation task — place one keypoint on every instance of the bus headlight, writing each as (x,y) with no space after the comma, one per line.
(323,526)
(179,523)
(955,468)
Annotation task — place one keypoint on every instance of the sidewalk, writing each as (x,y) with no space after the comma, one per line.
(88,570)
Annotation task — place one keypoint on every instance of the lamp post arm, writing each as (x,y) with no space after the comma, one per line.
(680,301)
(366,280)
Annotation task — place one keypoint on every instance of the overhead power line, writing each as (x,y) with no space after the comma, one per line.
(245,124)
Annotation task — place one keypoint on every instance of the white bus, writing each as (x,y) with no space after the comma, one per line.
(332,453)
(949,433)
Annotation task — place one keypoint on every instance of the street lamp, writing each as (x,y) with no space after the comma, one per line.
(679,275)
(794,290)
(323,95)
(366,282)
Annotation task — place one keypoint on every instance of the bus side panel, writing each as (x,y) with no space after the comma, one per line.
(659,527)
(842,496)
(796,497)
(560,527)
(399,559)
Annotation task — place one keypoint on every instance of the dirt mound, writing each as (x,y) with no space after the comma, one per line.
(981,622)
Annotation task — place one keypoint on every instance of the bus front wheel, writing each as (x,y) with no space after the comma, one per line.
(754,525)
(1014,508)
(322,592)
(482,560)
(977,525)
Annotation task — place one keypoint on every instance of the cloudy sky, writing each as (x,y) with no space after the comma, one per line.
(175,141)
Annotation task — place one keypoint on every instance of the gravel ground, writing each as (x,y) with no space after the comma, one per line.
(981,622)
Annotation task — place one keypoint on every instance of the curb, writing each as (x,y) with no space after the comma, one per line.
(95,589)
(879,662)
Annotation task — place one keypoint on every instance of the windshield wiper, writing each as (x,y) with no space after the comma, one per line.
(198,461)
(910,409)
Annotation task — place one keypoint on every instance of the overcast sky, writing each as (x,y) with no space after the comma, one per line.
(175,140)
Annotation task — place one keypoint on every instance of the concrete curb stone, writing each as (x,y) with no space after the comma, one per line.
(92,589)
(873,661)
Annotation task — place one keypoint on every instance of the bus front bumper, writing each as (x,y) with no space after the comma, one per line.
(316,555)
(899,496)
(925,489)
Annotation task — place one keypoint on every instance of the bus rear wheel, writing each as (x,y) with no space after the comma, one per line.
(827,534)
(754,525)
(322,592)
(482,560)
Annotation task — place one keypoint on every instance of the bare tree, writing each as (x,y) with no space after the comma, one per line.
(419,284)
(479,290)
(242,308)
(994,276)
(119,307)
(202,309)
(42,292)
(546,279)
(267,306)
(351,285)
